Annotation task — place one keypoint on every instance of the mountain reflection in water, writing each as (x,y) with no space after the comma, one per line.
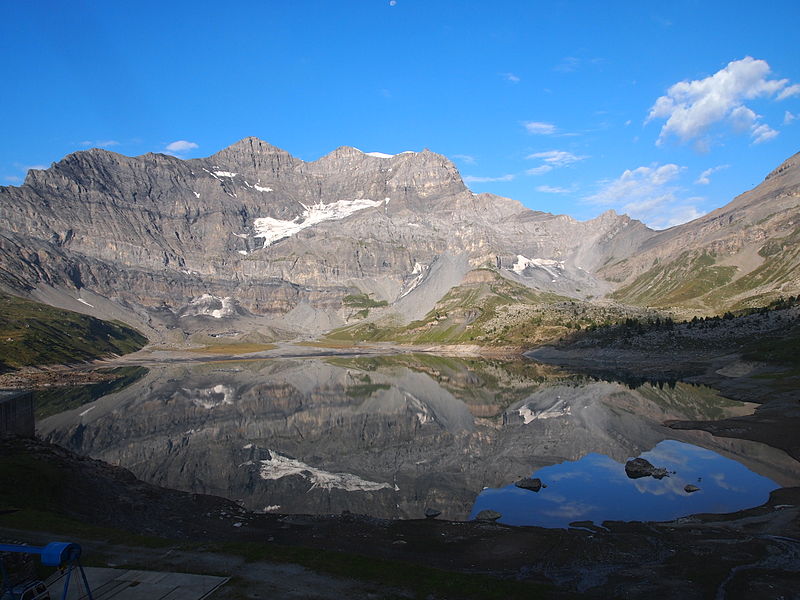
(388,435)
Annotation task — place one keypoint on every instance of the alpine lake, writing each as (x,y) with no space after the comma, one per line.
(394,436)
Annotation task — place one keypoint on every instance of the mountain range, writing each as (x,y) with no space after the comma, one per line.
(254,243)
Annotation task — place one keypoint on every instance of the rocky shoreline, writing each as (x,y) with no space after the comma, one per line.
(753,553)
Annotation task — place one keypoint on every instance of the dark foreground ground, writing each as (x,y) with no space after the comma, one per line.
(749,554)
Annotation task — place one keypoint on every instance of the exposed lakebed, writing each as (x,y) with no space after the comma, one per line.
(392,436)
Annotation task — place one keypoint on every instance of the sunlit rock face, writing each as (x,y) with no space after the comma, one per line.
(386,436)
(154,234)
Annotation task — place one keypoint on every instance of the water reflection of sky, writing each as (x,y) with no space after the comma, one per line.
(596,488)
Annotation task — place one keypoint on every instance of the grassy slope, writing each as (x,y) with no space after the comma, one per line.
(37,334)
(466,314)
(693,280)
(681,282)
(490,310)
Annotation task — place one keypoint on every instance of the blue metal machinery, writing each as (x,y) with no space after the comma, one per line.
(54,554)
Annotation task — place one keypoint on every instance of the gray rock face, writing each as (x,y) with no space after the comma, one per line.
(263,233)
(280,242)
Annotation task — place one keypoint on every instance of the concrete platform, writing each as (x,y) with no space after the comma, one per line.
(126,584)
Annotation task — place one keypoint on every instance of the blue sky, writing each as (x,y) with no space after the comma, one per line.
(661,110)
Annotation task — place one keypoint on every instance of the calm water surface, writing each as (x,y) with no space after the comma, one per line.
(393,435)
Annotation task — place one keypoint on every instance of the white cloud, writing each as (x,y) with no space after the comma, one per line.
(473,179)
(789,117)
(557,158)
(549,189)
(552,159)
(100,143)
(12,178)
(762,133)
(692,108)
(181,146)
(35,168)
(792,90)
(705,176)
(649,194)
(465,158)
(541,170)
(510,77)
(539,128)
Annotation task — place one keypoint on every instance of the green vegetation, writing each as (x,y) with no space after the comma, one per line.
(37,334)
(55,400)
(694,280)
(681,282)
(782,348)
(362,301)
(475,312)
(783,256)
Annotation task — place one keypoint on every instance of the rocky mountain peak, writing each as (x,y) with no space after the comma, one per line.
(253,155)
(790,167)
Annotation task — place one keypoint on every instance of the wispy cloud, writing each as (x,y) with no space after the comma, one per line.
(510,77)
(465,158)
(792,90)
(540,170)
(789,117)
(692,108)
(99,143)
(549,189)
(705,176)
(552,159)
(180,146)
(474,179)
(539,128)
(557,158)
(649,194)
(12,179)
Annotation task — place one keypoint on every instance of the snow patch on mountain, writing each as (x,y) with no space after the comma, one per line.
(418,272)
(262,189)
(225,174)
(212,397)
(211,306)
(282,466)
(551,267)
(383,154)
(530,413)
(273,230)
